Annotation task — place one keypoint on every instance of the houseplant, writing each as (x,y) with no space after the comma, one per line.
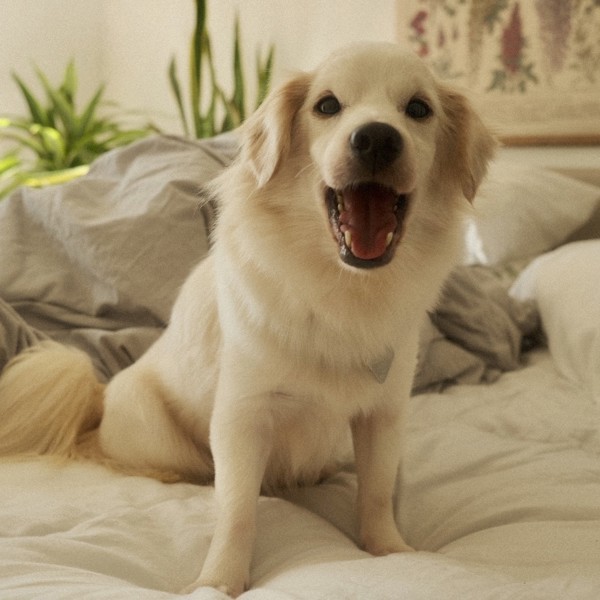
(55,142)
(214,112)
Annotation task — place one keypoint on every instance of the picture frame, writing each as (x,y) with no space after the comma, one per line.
(531,67)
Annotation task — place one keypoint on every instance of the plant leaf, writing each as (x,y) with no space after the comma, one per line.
(8,162)
(61,106)
(69,85)
(264,72)
(37,111)
(217,96)
(28,141)
(232,117)
(176,89)
(238,98)
(45,178)
(54,144)
(86,118)
(197,50)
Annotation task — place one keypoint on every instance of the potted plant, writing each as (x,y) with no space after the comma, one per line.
(215,112)
(55,142)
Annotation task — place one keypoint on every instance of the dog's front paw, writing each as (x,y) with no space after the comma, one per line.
(383,543)
(232,589)
(224,577)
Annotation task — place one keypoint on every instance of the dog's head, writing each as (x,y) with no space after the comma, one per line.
(376,134)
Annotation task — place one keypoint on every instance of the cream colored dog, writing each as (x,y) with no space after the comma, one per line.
(338,224)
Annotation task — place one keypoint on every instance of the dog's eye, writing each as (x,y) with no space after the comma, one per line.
(329,105)
(418,109)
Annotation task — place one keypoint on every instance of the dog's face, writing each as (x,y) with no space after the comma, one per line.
(379,132)
(372,119)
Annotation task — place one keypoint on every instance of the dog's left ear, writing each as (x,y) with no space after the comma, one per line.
(467,145)
(267,134)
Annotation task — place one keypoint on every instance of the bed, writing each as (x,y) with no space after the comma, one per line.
(500,486)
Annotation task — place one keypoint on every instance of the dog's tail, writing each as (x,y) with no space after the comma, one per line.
(49,398)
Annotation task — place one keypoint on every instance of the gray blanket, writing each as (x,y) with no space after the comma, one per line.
(97,263)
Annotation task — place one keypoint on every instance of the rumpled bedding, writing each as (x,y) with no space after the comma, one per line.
(500,485)
(478,331)
(98,263)
(499,493)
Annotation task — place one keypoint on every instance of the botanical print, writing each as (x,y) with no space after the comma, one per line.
(534,65)
(555,29)
(515,70)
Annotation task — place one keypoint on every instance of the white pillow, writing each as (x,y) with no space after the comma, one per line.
(565,284)
(523,211)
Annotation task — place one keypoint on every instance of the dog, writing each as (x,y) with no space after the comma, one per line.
(337,226)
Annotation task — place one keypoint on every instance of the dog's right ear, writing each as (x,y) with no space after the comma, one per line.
(466,146)
(267,134)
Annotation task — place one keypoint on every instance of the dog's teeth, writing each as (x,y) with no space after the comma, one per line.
(348,239)
(389,238)
(340,207)
(340,200)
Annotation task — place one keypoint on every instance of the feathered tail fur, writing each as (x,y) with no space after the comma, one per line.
(49,398)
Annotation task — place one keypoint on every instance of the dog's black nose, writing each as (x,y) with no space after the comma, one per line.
(377,145)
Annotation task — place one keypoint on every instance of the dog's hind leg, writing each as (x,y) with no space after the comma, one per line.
(143,433)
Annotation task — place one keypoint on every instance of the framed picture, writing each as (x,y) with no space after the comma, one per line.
(532,67)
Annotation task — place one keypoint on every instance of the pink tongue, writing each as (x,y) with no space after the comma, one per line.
(369,217)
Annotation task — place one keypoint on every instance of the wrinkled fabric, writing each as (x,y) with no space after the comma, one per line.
(98,262)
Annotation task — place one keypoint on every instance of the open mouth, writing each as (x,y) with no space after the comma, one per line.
(367,222)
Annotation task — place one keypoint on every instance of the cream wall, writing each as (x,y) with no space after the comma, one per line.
(128,43)
(47,33)
(143,34)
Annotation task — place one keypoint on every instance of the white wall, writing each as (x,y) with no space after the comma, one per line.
(128,43)
(140,38)
(142,35)
(47,33)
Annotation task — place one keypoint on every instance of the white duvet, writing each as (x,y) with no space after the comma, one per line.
(501,481)
(501,494)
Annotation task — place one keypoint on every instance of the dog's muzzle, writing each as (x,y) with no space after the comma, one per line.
(367,218)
